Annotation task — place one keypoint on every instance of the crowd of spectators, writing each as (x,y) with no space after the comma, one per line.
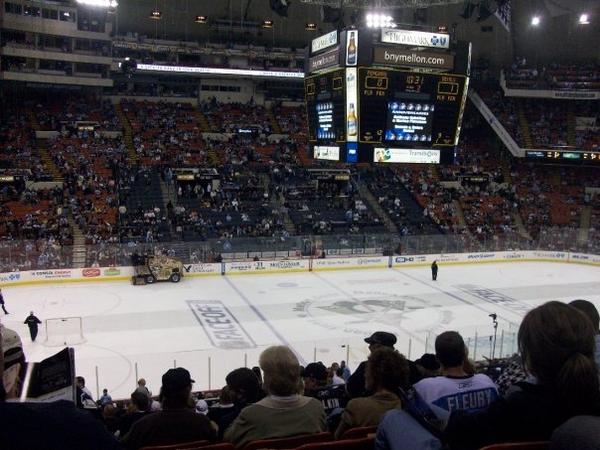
(63,113)
(267,188)
(439,399)
(555,76)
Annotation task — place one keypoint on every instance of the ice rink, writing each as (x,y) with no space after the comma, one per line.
(211,325)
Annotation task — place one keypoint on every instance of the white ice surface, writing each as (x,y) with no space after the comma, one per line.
(321,315)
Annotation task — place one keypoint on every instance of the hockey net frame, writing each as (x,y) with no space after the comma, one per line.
(61,336)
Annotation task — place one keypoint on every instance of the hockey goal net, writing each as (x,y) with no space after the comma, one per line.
(64,331)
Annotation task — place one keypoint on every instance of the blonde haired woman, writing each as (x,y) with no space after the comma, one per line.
(283,412)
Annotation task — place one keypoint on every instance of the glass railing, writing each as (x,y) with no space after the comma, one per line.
(38,255)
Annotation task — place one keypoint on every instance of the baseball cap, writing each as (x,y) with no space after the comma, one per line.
(382,338)
(12,347)
(317,370)
(175,379)
(202,407)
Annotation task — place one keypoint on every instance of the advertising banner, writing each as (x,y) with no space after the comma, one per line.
(351,105)
(400,155)
(408,58)
(324,61)
(415,38)
(351,47)
(203,269)
(323,42)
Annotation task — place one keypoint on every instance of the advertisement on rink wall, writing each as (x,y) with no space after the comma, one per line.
(541,254)
(412,259)
(203,269)
(347,263)
(56,274)
(10,277)
(285,265)
(584,258)
(299,265)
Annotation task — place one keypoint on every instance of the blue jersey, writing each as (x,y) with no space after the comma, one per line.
(471,393)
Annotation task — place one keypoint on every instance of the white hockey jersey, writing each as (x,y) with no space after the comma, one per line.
(471,393)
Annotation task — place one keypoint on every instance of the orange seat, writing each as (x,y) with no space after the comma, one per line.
(359,432)
(366,443)
(519,446)
(288,443)
(184,446)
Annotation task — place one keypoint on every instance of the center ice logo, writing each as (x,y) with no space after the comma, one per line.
(362,311)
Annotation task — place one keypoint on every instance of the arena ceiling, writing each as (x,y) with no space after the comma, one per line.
(241,20)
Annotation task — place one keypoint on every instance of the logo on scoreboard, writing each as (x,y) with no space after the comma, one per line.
(325,41)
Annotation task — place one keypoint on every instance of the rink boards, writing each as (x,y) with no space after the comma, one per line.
(96,274)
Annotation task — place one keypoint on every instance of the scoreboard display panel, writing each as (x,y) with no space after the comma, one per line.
(410,110)
(325,107)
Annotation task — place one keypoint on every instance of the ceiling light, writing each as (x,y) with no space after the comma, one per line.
(100,3)
(267,24)
(535,21)
(201,19)
(584,19)
(155,15)
(374,20)
(310,26)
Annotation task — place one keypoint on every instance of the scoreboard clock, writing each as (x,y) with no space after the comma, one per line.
(410,109)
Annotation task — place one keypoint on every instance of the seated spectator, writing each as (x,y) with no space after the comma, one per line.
(44,426)
(244,390)
(557,346)
(591,313)
(577,433)
(356,382)
(138,408)
(332,397)
(177,422)
(223,407)
(386,370)
(456,389)
(283,413)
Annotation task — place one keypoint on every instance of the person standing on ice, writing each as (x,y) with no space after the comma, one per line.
(434,270)
(2,303)
(32,322)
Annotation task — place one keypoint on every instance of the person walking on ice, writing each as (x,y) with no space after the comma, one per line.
(434,270)
(32,322)
(2,303)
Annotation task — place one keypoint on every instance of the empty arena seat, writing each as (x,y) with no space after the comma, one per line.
(366,443)
(185,446)
(359,432)
(542,445)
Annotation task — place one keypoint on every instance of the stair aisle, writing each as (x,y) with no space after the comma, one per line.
(127,132)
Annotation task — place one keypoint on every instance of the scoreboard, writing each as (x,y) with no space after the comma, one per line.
(386,96)
(410,110)
(325,104)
